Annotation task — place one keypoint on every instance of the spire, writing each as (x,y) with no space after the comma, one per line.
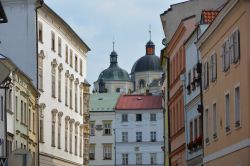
(150,32)
(113,55)
(113,45)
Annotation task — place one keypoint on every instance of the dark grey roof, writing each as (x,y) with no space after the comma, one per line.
(147,63)
(114,73)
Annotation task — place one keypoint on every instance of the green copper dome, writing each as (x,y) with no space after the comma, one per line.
(114,72)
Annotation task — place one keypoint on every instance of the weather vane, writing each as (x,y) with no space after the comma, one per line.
(113,43)
(150,31)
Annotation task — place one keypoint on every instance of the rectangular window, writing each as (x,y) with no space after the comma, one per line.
(213,67)
(33,123)
(236,42)
(66,54)
(59,46)
(40,32)
(138,158)
(107,151)
(76,63)
(16,102)
(92,151)
(2,108)
(76,92)
(107,128)
(66,90)
(153,136)
(40,73)
(124,117)
(53,82)
(53,41)
(227,112)
(153,158)
(225,56)
(195,128)
(71,58)
(80,67)
(138,117)
(206,75)
(92,128)
(22,111)
(138,136)
(70,93)
(152,117)
(125,159)
(25,113)
(29,120)
(191,131)
(214,121)
(124,136)
(237,106)
(206,126)
(59,84)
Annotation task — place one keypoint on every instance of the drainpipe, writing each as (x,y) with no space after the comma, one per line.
(38,114)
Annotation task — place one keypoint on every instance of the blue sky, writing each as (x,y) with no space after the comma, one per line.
(97,21)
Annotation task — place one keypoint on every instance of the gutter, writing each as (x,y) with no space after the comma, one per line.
(38,113)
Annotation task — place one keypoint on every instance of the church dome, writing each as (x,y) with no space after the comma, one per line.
(114,72)
(149,62)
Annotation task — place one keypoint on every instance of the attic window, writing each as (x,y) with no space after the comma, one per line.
(100,98)
(139,98)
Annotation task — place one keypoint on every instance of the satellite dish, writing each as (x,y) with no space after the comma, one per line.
(20,157)
(5,72)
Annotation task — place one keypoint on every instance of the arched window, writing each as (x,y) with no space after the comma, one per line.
(142,83)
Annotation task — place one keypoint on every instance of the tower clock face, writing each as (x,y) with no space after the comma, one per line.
(164,41)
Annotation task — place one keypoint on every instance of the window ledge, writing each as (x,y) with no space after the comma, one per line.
(236,64)
(238,126)
(228,131)
(41,90)
(41,41)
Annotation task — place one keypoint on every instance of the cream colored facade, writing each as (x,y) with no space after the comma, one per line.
(226,91)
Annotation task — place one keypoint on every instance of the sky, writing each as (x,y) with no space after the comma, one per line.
(99,22)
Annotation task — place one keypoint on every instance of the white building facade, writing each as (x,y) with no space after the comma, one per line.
(102,124)
(61,81)
(139,132)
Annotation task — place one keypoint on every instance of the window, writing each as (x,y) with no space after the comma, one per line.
(213,67)
(92,128)
(124,136)
(53,41)
(214,121)
(237,106)
(125,159)
(138,117)
(76,63)
(53,130)
(225,56)
(80,67)
(124,117)
(70,136)
(53,82)
(191,131)
(40,73)
(59,82)
(59,130)
(40,32)
(59,46)
(92,151)
(138,158)
(195,128)
(189,82)
(107,151)
(22,120)
(29,120)
(153,136)
(9,147)
(76,138)
(66,90)
(41,126)
(25,113)
(2,108)
(81,100)
(138,136)
(16,102)
(206,75)
(33,122)
(206,126)
(236,45)
(71,58)
(70,93)
(66,54)
(153,158)
(81,139)
(76,92)
(66,134)
(152,117)
(227,112)
(9,104)
(142,84)
(106,127)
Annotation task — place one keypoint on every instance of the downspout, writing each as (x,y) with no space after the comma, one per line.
(38,113)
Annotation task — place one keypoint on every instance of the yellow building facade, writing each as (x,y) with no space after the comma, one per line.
(224,49)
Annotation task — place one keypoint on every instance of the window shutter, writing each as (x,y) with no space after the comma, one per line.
(207,75)
(211,64)
(227,55)
(215,66)
(231,48)
(203,76)
(237,46)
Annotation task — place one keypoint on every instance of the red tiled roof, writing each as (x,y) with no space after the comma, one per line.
(138,102)
(208,16)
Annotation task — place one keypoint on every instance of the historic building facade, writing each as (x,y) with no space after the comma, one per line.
(102,124)
(64,92)
(19,103)
(139,130)
(224,49)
